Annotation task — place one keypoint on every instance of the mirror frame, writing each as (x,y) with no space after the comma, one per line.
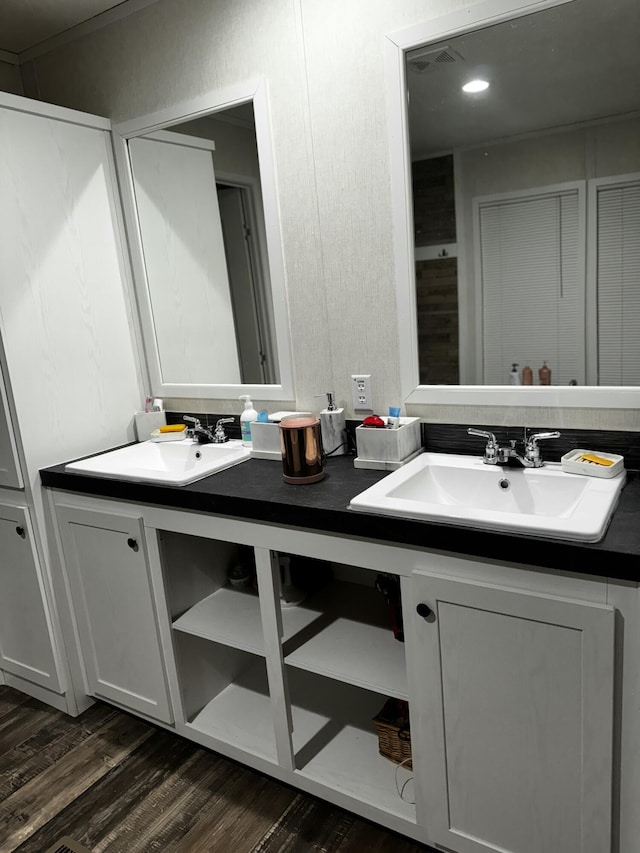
(210,103)
(397,44)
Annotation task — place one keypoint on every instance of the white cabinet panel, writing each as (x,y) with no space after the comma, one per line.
(514,707)
(26,639)
(10,474)
(110,586)
(65,321)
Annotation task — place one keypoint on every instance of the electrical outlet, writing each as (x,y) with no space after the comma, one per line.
(361,392)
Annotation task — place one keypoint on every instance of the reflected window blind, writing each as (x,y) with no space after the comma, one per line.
(532,290)
(619,285)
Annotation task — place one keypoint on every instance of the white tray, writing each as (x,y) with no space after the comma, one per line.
(572,463)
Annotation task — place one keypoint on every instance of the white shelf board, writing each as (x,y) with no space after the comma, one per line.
(229,616)
(241,715)
(336,744)
(348,637)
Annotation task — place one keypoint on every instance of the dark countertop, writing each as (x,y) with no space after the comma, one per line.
(255,491)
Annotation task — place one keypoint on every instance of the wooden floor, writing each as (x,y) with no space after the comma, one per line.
(119,785)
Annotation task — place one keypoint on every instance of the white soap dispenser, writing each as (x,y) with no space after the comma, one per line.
(514,376)
(333,429)
(248,416)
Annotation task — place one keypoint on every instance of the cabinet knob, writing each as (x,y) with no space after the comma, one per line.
(20,531)
(423,610)
(132,544)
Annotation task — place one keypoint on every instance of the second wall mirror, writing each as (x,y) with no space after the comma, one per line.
(519,218)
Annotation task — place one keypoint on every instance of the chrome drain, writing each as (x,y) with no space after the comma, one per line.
(504,484)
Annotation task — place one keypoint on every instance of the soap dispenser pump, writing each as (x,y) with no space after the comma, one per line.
(333,428)
(246,419)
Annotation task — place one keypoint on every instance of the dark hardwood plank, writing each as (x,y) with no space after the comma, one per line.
(367,836)
(160,820)
(307,826)
(105,805)
(117,784)
(34,804)
(47,745)
(27,719)
(10,699)
(239,817)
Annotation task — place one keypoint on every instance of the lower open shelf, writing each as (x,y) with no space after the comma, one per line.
(225,695)
(335,743)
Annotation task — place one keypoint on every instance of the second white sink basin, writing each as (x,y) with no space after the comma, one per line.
(173,463)
(463,490)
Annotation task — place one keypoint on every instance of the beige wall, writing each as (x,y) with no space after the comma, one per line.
(323,61)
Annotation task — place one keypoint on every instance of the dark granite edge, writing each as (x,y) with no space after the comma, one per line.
(324,508)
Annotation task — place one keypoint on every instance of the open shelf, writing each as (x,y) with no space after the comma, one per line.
(335,743)
(344,633)
(225,694)
(230,616)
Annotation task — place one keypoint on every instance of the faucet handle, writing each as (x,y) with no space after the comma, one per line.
(195,421)
(482,434)
(539,436)
(491,450)
(219,435)
(532,451)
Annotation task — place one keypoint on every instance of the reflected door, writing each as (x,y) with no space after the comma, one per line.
(185,262)
(533,296)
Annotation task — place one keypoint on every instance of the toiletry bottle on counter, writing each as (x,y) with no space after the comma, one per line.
(527,376)
(544,374)
(514,376)
(248,416)
(333,428)
(393,421)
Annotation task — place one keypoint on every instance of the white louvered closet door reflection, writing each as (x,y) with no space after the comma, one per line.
(532,287)
(619,285)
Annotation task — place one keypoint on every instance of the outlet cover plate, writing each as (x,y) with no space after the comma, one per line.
(361,392)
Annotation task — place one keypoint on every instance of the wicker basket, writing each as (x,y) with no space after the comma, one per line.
(394,734)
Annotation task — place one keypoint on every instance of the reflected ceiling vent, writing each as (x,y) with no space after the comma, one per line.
(423,61)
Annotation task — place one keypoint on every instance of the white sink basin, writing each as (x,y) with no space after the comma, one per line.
(463,490)
(170,462)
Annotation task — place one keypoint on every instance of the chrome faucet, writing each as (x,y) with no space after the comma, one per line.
(494,454)
(204,435)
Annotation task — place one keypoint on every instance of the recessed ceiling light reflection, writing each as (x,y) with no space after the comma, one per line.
(475,86)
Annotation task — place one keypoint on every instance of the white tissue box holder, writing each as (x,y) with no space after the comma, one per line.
(265,440)
(265,437)
(388,449)
(146,422)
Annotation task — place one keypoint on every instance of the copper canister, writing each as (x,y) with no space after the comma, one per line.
(301,446)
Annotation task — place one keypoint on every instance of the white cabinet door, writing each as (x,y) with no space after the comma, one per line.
(110,585)
(27,647)
(512,718)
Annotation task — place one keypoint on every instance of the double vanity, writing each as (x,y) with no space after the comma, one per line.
(519,660)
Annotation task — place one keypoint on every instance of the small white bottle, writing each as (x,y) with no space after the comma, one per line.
(246,419)
(514,376)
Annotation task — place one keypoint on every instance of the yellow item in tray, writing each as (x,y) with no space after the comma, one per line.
(173,428)
(598,460)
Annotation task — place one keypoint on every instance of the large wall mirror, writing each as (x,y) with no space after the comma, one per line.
(201,212)
(517,204)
